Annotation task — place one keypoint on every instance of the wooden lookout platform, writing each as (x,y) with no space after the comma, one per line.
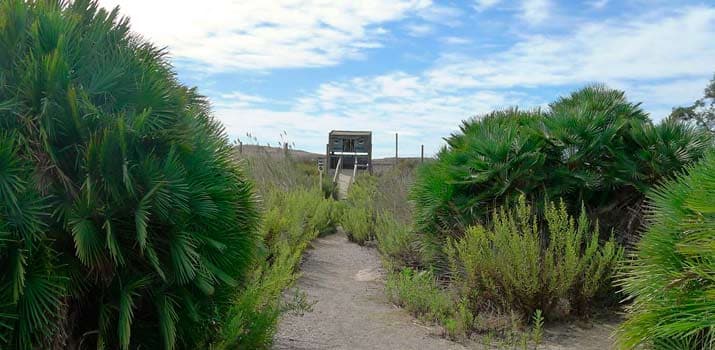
(348,152)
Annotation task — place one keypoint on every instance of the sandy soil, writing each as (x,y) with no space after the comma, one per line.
(346,283)
(581,335)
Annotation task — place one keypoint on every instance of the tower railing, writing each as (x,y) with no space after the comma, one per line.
(338,168)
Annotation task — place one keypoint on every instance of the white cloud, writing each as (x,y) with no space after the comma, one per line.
(240,35)
(660,98)
(238,99)
(481,5)
(418,30)
(598,4)
(395,102)
(535,11)
(455,40)
(612,51)
(444,15)
(663,61)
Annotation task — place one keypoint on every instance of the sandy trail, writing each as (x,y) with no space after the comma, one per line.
(346,282)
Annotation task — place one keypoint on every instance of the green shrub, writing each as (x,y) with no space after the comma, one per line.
(124,221)
(292,215)
(358,215)
(419,293)
(462,323)
(490,159)
(671,278)
(257,309)
(508,266)
(398,245)
(293,218)
(592,147)
(329,188)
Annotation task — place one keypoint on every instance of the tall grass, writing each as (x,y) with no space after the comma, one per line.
(295,212)
(397,243)
(392,188)
(378,208)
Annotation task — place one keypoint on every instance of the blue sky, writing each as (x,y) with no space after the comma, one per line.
(420,67)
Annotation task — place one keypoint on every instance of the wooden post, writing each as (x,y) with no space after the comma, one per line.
(396,149)
(327,158)
(422,154)
(354,172)
(320,179)
(285,149)
(240,147)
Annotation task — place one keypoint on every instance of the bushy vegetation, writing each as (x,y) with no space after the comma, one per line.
(392,187)
(671,277)
(295,211)
(492,249)
(124,221)
(396,242)
(377,208)
(359,213)
(592,147)
(293,218)
(521,263)
(419,293)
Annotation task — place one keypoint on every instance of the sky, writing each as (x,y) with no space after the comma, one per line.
(292,70)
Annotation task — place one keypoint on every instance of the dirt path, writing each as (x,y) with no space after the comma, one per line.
(346,282)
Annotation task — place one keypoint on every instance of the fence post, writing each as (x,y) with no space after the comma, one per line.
(422,154)
(320,178)
(396,149)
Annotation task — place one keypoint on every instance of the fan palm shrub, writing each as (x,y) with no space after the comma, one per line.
(592,147)
(491,160)
(671,276)
(124,221)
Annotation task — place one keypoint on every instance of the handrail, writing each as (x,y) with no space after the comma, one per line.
(338,167)
(354,171)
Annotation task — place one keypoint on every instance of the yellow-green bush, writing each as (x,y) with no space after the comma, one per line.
(419,293)
(295,212)
(358,215)
(256,311)
(522,263)
(398,244)
(292,219)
